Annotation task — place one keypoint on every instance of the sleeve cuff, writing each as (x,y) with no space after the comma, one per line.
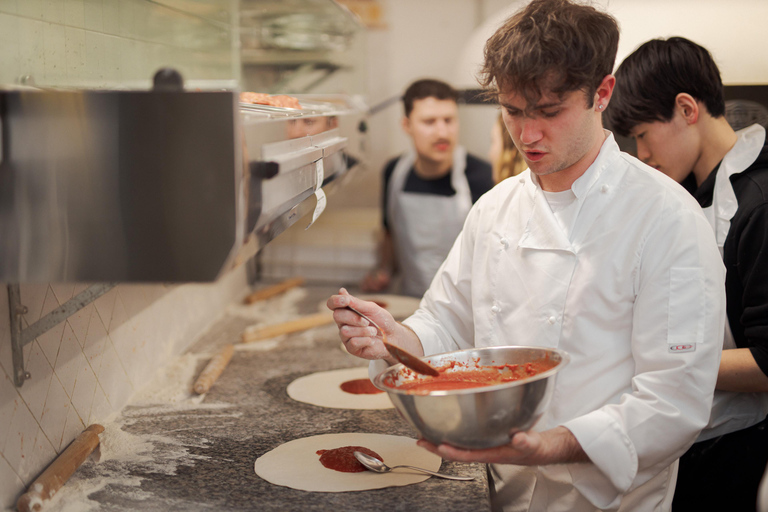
(614,460)
(427,331)
(760,354)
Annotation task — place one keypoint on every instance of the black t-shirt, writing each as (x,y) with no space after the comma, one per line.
(478,172)
(745,254)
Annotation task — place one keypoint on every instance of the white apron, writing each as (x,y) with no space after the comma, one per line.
(514,486)
(424,226)
(732,411)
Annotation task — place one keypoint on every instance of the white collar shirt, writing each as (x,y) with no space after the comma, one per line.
(635,295)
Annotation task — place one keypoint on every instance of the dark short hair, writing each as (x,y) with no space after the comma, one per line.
(651,77)
(551,45)
(427,88)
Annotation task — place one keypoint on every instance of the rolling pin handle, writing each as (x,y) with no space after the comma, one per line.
(59,471)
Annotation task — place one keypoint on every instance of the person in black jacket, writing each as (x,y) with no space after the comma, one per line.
(669,98)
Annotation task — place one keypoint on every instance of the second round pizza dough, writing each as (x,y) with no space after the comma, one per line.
(296,464)
(324,389)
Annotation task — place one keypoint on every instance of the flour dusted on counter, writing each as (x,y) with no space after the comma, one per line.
(120,455)
(74,496)
(170,391)
(172,383)
(277,309)
(116,444)
(153,453)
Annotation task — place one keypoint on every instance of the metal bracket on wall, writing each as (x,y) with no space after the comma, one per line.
(20,337)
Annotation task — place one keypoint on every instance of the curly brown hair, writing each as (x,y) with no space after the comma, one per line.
(550,45)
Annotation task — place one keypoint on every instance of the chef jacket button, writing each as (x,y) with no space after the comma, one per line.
(504,242)
(551,320)
(522,180)
(495,309)
(604,189)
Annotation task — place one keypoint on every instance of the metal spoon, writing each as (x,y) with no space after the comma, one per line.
(402,355)
(378,466)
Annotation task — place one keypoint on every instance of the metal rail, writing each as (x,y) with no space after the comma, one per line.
(20,337)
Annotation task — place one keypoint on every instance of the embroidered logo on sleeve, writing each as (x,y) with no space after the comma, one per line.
(687,347)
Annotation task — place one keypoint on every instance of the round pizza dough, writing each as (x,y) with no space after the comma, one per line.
(296,464)
(400,306)
(324,389)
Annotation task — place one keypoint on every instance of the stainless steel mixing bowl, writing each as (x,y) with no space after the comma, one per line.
(482,417)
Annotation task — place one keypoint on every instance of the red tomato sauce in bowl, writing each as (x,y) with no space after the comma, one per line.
(462,376)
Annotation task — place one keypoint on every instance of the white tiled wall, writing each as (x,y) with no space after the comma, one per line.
(87,367)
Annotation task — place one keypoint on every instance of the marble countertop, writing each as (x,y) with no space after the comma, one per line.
(202,454)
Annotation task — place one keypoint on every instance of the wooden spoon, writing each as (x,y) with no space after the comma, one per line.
(409,360)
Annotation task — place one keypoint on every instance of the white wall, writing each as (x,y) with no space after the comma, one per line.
(732,30)
(422,39)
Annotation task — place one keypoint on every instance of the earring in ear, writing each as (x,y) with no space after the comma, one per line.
(600,107)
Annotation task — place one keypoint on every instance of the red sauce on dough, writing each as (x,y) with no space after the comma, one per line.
(360,387)
(462,377)
(343,459)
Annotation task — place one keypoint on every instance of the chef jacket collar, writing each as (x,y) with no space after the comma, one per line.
(704,193)
(584,183)
(746,150)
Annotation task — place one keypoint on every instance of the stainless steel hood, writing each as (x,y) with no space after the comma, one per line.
(159,185)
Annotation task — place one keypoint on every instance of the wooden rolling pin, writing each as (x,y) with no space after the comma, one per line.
(301,324)
(56,475)
(271,291)
(213,369)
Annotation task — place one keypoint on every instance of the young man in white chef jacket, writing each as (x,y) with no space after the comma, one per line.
(590,251)
(669,98)
(427,192)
